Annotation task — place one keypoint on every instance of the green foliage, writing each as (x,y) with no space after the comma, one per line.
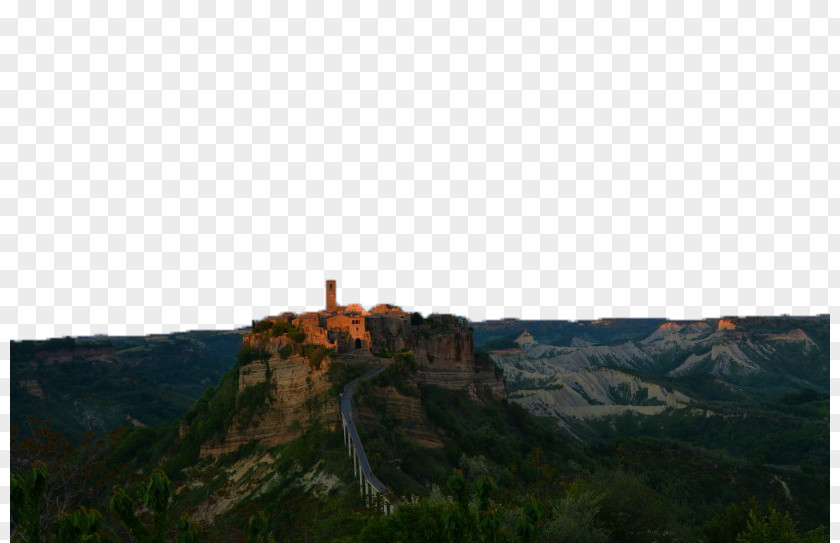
(404,361)
(416,319)
(248,354)
(499,343)
(187,532)
(725,526)
(470,515)
(776,527)
(26,495)
(690,486)
(258,327)
(630,509)
(252,400)
(152,379)
(340,374)
(258,529)
(316,354)
(410,523)
(397,373)
(528,527)
(157,497)
(501,431)
(272,328)
(143,447)
(440,323)
(86,525)
(296,335)
(575,519)
(280,327)
(740,432)
(208,417)
(82,526)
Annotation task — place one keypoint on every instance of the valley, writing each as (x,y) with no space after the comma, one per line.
(620,428)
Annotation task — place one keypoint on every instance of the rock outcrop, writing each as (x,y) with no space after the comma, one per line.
(443,355)
(283,387)
(407,411)
(447,360)
(287,394)
(444,351)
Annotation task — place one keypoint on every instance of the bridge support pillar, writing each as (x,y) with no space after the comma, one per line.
(349,444)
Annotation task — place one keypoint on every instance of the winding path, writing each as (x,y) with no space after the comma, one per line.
(371,488)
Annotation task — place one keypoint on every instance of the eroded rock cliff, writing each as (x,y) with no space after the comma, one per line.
(439,352)
(277,397)
(283,385)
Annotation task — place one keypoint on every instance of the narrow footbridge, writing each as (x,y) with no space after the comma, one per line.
(372,490)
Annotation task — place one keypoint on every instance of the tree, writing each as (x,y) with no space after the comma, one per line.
(575,519)
(81,526)
(529,525)
(725,527)
(488,518)
(258,529)
(458,521)
(775,527)
(26,496)
(157,497)
(84,525)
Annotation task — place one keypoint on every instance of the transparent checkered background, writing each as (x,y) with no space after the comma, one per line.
(179,165)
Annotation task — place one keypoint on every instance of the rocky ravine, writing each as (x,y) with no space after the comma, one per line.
(558,382)
(586,380)
(721,349)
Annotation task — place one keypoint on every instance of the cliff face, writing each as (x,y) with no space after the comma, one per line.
(406,411)
(282,389)
(388,333)
(276,400)
(104,354)
(443,356)
(446,359)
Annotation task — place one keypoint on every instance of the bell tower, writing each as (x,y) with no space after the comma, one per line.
(331,305)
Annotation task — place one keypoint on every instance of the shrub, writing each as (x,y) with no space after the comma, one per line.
(286,351)
(252,399)
(259,327)
(776,527)
(248,354)
(316,354)
(296,334)
(405,362)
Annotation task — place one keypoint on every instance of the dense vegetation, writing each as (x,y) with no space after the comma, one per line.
(628,492)
(502,474)
(96,384)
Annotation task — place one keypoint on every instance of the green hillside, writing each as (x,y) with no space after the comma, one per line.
(100,384)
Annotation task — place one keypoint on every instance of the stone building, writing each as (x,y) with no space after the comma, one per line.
(351,325)
(346,328)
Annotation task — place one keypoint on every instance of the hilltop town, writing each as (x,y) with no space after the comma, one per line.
(345,328)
